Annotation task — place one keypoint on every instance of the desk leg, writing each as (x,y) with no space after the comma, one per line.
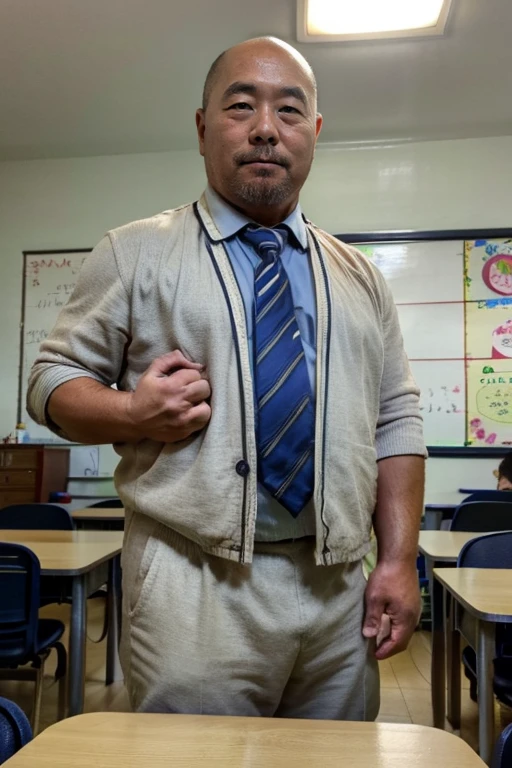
(484,668)
(432,519)
(438,648)
(77,634)
(452,662)
(113,669)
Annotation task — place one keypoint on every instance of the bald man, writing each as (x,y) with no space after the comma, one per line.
(265,416)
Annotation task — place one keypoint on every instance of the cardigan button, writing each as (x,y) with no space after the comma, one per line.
(242,468)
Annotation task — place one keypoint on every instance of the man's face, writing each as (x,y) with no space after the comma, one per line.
(259,131)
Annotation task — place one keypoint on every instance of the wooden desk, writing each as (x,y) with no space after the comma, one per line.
(118,740)
(67,537)
(444,546)
(89,559)
(441,548)
(103,517)
(486,595)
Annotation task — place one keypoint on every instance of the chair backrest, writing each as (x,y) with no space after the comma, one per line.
(20,574)
(489,496)
(15,730)
(44,517)
(502,756)
(482,516)
(107,503)
(491,551)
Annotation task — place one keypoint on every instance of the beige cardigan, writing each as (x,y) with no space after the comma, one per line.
(166,283)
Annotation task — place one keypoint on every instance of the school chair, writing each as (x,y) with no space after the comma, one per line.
(24,637)
(489,495)
(502,755)
(15,730)
(42,517)
(482,516)
(107,504)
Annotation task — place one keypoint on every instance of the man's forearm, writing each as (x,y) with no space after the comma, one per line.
(397,517)
(89,412)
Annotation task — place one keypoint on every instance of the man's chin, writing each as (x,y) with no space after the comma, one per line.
(260,190)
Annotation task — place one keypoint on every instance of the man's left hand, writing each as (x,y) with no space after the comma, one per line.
(392,601)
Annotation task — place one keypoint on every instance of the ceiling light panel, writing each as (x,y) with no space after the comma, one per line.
(331,20)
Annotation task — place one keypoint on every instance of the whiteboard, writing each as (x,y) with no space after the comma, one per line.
(48,281)
(454,303)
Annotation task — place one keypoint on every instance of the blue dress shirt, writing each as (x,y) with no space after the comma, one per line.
(274,522)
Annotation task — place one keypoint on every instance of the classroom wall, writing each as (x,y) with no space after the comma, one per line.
(70,203)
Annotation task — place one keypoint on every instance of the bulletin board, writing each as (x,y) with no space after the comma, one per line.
(453,293)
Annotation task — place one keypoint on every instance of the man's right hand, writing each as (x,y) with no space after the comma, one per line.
(169,402)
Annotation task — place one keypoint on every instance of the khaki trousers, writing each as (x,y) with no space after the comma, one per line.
(281,637)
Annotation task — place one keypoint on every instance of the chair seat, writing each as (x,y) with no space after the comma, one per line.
(49,631)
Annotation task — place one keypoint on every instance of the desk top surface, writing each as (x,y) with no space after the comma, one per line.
(444,545)
(68,553)
(484,592)
(134,740)
(99,513)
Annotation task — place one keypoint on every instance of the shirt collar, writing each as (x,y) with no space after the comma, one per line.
(229,221)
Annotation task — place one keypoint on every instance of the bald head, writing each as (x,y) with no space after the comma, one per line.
(258,46)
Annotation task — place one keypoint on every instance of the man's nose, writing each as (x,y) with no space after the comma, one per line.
(264,130)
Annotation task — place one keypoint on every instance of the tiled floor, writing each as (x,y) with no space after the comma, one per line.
(405,684)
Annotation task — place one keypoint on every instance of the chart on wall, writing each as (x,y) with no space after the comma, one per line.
(454,301)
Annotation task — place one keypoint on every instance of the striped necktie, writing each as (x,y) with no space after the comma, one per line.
(285,412)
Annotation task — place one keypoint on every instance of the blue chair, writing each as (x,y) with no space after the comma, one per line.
(107,504)
(491,551)
(502,755)
(482,516)
(43,517)
(24,638)
(15,730)
(489,495)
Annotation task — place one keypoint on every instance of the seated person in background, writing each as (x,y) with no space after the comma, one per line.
(504,473)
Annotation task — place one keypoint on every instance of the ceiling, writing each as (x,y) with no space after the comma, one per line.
(96,77)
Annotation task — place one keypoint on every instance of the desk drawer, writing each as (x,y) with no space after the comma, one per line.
(21,478)
(25,458)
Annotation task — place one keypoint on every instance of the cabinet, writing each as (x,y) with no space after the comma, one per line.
(30,473)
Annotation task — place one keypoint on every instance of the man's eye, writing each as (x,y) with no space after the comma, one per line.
(240,105)
(289,110)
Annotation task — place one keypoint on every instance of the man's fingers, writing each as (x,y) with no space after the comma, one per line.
(373,617)
(164,364)
(197,391)
(198,417)
(396,642)
(384,630)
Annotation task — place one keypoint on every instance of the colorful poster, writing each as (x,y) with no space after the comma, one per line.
(489,329)
(489,395)
(488,269)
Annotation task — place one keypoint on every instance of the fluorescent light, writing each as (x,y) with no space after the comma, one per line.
(366,19)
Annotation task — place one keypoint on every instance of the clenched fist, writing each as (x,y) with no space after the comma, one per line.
(169,402)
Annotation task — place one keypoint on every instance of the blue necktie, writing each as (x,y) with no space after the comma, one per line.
(285,412)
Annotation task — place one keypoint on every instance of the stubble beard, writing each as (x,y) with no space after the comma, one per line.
(264,190)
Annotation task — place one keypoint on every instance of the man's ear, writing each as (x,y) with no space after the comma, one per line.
(201,127)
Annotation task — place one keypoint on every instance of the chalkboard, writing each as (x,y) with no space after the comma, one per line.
(453,293)
(48,280)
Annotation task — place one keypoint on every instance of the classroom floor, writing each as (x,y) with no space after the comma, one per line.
(405,683)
